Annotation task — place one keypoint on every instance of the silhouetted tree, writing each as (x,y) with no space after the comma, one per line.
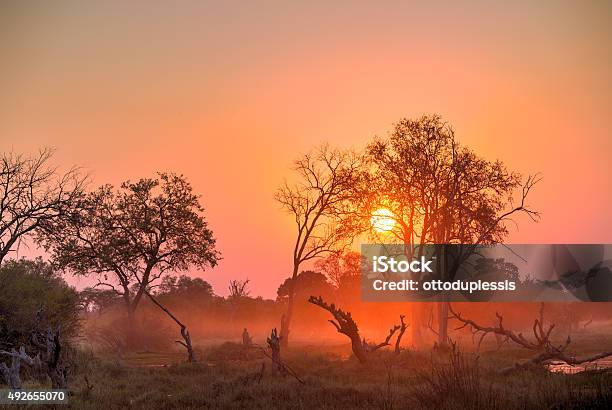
(439,192)
(317,203)
(338,266)
(306,283)
(186,342)
(185,286)
(32,193)
(97,300)
(128,238)
(345,324)
(239,289)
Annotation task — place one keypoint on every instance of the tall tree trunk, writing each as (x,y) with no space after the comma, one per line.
(132,300)
(441,262)
(443,323)
(416,320)
(286,321)
(142,288)
(131,330)
(288,315)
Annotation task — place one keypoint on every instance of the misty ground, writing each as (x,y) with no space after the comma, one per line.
(229,376)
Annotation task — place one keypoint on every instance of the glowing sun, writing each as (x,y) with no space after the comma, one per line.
(382,220)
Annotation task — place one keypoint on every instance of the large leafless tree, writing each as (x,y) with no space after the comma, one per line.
(32,193)
(317,204)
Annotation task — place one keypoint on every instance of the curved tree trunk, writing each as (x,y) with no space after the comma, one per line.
(186,343)
(358,349)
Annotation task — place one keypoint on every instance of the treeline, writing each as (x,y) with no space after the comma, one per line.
(33,294)
(416,186)
(213,318)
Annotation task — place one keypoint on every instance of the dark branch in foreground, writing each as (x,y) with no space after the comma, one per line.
(403,327)
(546,351)
(278,366)
(372,348)
(344,323)
(184,332)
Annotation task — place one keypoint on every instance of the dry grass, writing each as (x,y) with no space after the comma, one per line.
(229,377)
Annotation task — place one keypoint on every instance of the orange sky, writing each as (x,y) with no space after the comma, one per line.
(229,94)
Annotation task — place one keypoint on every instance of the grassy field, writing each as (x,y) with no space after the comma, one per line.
(229,376)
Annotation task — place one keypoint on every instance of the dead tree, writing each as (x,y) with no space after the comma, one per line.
(50,353)
(345,324)
(402,329)
(33,193)
(239,289)
(278,366)
(545,351)
(186,343)
(370,347)
(317,204)
(274,342)
(11,374)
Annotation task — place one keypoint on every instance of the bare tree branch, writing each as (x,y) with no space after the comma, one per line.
(545,350)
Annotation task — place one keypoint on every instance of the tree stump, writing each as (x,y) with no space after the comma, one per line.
(274,341)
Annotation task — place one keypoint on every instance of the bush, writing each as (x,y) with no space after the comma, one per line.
(33,295)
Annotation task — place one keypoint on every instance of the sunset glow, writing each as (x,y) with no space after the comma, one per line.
(318,204)
(382,220)
(275,85)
